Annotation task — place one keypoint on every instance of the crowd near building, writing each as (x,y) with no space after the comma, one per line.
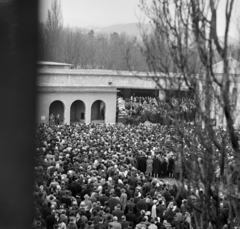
(89,96)
(113,176)
(91,174)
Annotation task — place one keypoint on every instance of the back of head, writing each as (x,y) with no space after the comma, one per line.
(115,218)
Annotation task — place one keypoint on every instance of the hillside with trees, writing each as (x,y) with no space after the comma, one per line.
(87,49)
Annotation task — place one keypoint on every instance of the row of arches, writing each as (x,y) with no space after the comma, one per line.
(78,110)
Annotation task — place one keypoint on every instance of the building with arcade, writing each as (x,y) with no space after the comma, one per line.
(90,95)
(87,95)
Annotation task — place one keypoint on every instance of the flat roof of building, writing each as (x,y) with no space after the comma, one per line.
(52,63)
(104,72)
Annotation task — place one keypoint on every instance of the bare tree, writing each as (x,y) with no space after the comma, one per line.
(53,30)
(74,41)
(182,50)
(101,56)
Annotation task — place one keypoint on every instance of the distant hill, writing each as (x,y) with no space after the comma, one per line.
(135,30)
(131,29)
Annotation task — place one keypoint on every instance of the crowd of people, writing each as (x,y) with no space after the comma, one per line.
(138,109)
(110,177)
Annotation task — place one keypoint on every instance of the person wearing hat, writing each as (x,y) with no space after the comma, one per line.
(118,212)
(107,213)
(171,163)
(113,202)
(156,166)
(132,180)
(164,167)
(160,208)
(130,206)
(124,223)
(100,224)
(66,199)
(72,223)
(103,198)
(123,198)
(51,219)
(170,214)
(141,205)
(74,208)
(131,217)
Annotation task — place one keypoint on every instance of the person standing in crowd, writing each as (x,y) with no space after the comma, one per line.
(177,169)
(170,166)
(164,167)
(57,119)
(115,224)
(149,166)
(51,219)
(156,166)
(125,224)
(123,199)
(51,120)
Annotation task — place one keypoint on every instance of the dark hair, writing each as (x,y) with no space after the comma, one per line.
(109,217)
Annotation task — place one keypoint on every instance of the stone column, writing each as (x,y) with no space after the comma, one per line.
(87,113)
(67,114)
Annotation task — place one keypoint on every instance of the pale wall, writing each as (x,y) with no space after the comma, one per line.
(73,78)
(46,98)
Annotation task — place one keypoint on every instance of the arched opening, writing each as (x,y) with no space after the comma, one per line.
(98,111)
(77,111)
(56,112)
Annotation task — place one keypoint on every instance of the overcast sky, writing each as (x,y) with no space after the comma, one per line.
(100,13)
(95,12)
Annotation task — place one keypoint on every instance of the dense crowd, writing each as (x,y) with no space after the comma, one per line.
(103,176)
(138,109)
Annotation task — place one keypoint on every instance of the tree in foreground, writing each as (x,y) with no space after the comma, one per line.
(183,50)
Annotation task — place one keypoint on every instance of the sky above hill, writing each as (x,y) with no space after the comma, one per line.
(95,12)
(102,13)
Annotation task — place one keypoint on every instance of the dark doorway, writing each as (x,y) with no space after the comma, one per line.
(77,111)
(98,111)
(57,107)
